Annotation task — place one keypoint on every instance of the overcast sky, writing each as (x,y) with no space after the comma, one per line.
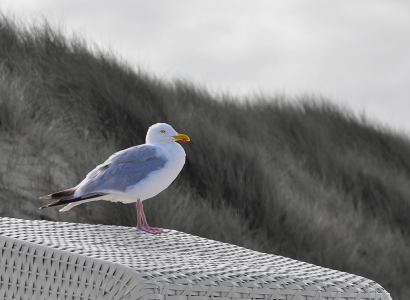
(354,52)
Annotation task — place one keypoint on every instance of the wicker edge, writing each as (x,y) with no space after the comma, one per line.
(190,292)
(31,271)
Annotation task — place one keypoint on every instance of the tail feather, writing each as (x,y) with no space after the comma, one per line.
(69,199)
(61,194)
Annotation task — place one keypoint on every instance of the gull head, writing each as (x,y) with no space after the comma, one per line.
(162,132)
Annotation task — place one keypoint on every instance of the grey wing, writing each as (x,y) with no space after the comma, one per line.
(123,169)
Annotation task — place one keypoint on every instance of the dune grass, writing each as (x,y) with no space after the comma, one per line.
(301,177)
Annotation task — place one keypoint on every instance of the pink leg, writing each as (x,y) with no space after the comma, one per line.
(142,224)
(145,224)
(139,227)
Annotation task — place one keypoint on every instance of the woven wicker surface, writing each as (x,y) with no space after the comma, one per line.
(57,260)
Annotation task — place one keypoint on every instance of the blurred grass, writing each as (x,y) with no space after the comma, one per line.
(301,177)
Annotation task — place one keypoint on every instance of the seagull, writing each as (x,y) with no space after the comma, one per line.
(131,175)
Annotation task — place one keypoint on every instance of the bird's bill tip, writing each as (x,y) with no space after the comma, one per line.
(181,137)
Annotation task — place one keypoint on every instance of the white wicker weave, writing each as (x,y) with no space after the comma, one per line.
(56,260)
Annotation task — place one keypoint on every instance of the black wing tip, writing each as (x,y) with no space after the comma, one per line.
(67,201)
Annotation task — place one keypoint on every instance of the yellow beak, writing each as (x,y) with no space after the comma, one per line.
(182,137)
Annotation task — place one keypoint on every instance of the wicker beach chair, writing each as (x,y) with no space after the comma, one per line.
(56,260)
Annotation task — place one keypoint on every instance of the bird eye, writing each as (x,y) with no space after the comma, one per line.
(162,131)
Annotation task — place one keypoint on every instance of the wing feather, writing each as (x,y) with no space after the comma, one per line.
(123,169)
